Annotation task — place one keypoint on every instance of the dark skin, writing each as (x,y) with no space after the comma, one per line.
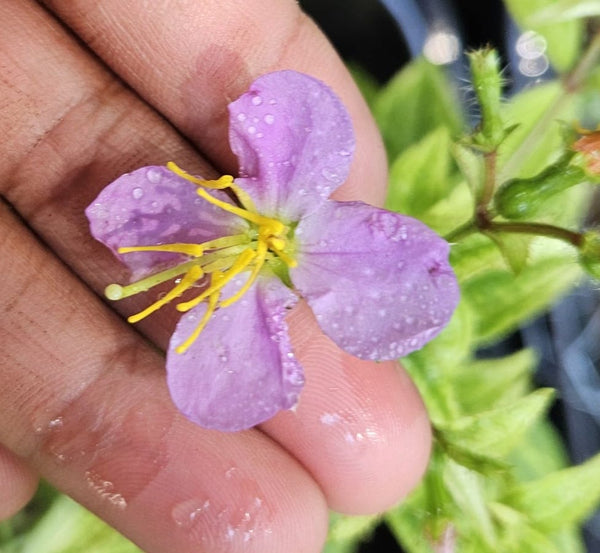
(84,401)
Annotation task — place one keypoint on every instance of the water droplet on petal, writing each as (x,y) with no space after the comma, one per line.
(330,174)
(257,100)
(269,119)
(154,175)
(241,116)
(251,130)
(344,153)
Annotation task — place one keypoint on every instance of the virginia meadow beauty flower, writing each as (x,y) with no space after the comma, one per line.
(244,250)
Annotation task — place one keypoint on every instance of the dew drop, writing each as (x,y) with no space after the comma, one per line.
(137,193)
(269,118)
(186,513)
(241,116)
(251,129)
(329,174)
(257,100)
(154,175)
(344,153)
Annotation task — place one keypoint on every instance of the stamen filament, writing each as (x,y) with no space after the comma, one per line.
(195,250)
(187,282)
(289,261)
(240,264)
(261,254)
(210,309)
(117,292)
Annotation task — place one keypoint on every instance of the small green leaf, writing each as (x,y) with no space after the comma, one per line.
(69,528)
(560,499)
(419,176)
(496,432)
(467,489)
(514,248)
(565,10)
(563,38)
(346,532)
(471,166)
(474,256)
(366,83)
(537,139)
(490,383)
(501,300)
(416,101)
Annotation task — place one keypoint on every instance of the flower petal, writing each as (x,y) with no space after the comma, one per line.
(241,370)
(378,282)
(294,141)
(153,206)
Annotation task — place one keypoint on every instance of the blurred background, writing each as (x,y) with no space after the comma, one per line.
(380,37)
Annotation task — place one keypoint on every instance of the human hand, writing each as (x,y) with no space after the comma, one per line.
(84,401)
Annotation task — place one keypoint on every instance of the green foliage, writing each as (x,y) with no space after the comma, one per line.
(415,102)
(563,35)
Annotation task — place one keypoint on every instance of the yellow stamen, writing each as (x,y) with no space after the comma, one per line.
(226,181)
(222,182)
(195,250)
(117,292)
(210,309)
(187,282)
(289,261)
(240,264)
(259,261)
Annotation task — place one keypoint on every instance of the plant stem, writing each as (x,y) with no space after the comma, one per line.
(538,229)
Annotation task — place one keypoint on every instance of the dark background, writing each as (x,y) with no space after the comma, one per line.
(381,40)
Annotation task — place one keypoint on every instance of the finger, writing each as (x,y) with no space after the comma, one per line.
(84,401)
(190,60)
(17,484)
(108,133)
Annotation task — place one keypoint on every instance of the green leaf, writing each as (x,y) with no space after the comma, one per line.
(467,489)
(475,255)
(501,300)
(560,499)
(419,176)
(565,10)
(563,38)
(537,138)
(416,101)
(69,528)
(367,84)
(494,433)
(346,532)
(514,248)
(490,383)
(471,166)
(517,535)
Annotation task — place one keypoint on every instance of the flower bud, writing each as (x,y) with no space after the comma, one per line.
(524,198)
(589,146)
(487,83)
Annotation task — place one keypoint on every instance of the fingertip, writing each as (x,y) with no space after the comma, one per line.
(360,428)
(17,484)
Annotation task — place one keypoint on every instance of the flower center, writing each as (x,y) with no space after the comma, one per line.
(267,242)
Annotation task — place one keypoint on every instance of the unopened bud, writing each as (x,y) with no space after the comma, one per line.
(589,146)
(524,198)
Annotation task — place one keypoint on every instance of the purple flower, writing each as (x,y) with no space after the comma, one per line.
(244,250)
